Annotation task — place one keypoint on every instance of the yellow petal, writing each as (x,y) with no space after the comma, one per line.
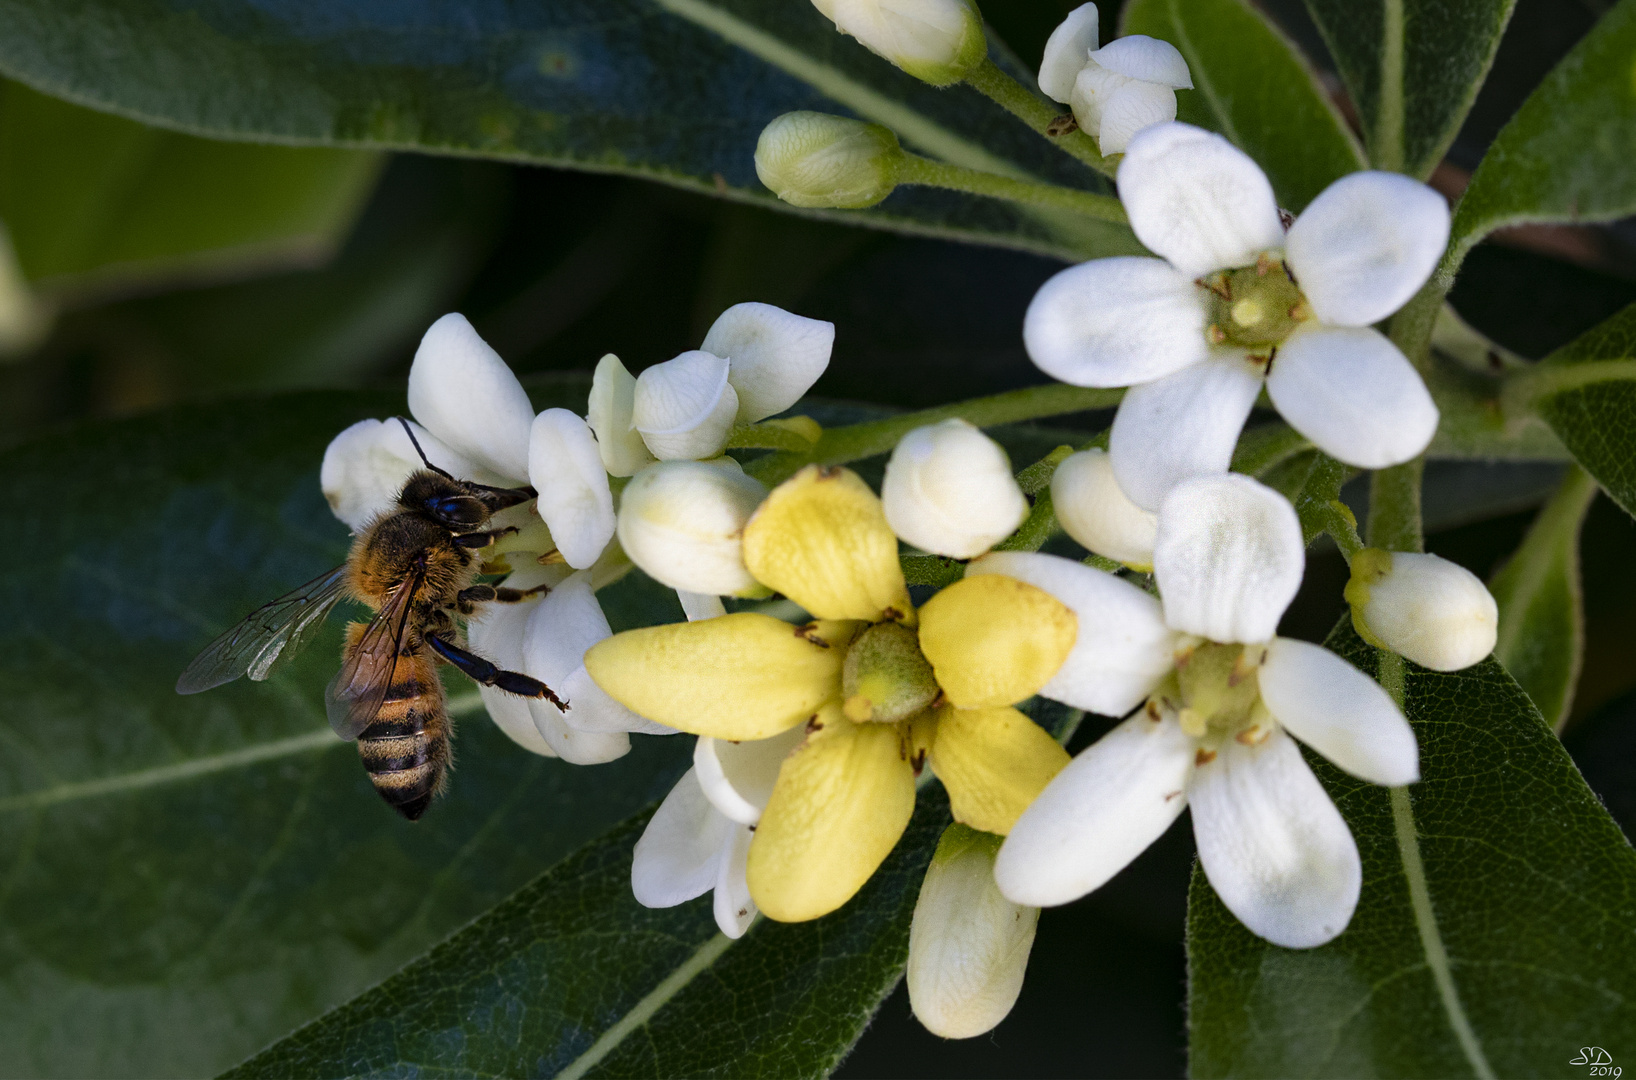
(741,676)
(842,799)
(822,540)
(994,640)
(994,762)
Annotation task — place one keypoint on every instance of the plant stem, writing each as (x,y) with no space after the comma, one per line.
(1015,98)
(918,170)
(855,441)
(1394,507)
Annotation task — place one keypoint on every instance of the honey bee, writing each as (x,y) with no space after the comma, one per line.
(416,566)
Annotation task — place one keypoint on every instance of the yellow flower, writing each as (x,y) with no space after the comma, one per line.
(881,689)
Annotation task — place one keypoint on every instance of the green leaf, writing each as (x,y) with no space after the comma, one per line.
(185,879)
(669,90)
(1495,929)
(1567,153)
(1252,84)
(97,204)
(1311,481)
(1413,68)
(571,977)
(1542,609)
(1586,392)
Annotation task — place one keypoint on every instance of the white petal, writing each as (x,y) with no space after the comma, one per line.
(590,708)
(1432,611)
(495,632)
(611,414)
(366,465)
(1094,87)
(1366,244)
(573,745)
(926,37)
(1197,200)
(738,777)
(1096,512)
(1113,322)
(1228,559)
(732,905)
(679,854)
(1124,648)
(1354,395)
(949,490)
(1148,59)
(1181,426)
(698,606)
(1065,52)
(1132,108)
(684,407)
(968,944)
(773,356)
(575,501)
(681,522)
(467,396)
(1273,845)
(1338,711)
(1113,800)
(559,630)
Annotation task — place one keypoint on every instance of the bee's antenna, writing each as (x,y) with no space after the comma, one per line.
(409,431)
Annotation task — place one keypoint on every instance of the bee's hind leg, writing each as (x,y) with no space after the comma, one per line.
(484,671)
(468,599)
(484,539)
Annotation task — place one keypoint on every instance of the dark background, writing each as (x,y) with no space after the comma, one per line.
(556,268)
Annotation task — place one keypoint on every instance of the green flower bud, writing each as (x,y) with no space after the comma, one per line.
(816,160)
(936,41)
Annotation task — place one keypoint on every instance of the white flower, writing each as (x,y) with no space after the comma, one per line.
(815,159)
(949,490)
(699,838)
(366,465)
(465,394)
(1118,90)
(1233,302)
(1425,608)
(1095,511)
(968,944)
(681,522)
(1215,734)
(936,41)
(756,360)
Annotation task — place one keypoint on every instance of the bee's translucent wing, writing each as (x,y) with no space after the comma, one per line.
(268,635)
(374,665)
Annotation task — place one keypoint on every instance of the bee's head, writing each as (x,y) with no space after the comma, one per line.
(451,503)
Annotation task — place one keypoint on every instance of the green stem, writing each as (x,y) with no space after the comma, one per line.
(913,169)
(1394,507)
(1342,527)
(1015,98)
(856,441)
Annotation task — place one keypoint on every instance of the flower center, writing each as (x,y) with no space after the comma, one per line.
(886,677)
(1254,307)
(1215,695)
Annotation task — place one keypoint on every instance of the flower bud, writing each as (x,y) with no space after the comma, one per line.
(936,41)
(610,412)
(1127,85)
(773,356)
(682,523)
(968,945)
(813,159)
(685,407)
(1422,607)
(1095,511)
(949,490)
(1070,44)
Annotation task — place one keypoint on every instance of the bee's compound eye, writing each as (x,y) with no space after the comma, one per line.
(458,509)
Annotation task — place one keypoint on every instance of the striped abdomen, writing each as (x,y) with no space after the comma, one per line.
(405,749)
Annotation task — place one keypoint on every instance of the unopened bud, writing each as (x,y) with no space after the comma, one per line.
(936,41)
(1096,512)
(814,159)
(682,523)
(610,411)
(1422,607)
(968,945)
(1126,86)
(949,490)
(685,407)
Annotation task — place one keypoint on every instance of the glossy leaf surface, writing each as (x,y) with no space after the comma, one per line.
(669,90)
(1496,925)
(1565,155)
(1252,85)
(95,203)
(1589,399)
(1412,68)
(188,878)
